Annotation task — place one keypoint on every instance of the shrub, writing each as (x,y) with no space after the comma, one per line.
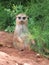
(3,18)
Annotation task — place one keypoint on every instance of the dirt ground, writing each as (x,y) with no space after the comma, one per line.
(11,56)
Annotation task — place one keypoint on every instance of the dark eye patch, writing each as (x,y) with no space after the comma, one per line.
(19,17)
(24,18)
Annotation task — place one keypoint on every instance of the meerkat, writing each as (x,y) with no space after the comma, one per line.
(20,39)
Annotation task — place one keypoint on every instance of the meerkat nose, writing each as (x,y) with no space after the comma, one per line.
(21,21)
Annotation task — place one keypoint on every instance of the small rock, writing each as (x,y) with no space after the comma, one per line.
(38,55)
(16,63)
(26,64)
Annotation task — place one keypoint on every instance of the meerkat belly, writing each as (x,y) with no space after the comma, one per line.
(24,35)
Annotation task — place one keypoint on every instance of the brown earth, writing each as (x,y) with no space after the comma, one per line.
(11,56)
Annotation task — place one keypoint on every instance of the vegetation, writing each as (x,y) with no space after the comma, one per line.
(38,12)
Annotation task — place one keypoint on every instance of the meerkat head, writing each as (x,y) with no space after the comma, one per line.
(21,19)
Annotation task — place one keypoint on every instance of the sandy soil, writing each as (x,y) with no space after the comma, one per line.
(11,56)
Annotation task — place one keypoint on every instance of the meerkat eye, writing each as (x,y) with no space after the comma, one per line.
(24,18)
(19,17)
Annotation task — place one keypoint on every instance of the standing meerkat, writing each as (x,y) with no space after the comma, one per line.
(20,40)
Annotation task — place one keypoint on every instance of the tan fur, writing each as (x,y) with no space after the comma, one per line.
(20,39)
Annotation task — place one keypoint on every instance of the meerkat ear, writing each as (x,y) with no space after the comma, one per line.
(16,16)
(27,17)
